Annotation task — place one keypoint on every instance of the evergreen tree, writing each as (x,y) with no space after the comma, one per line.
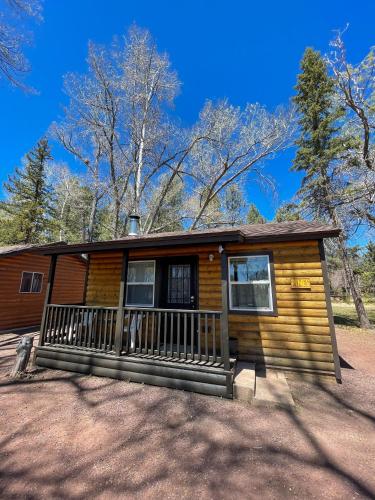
(287,212)
(367,270)
(28,209)
(320,148)
(254,216)
(233,205)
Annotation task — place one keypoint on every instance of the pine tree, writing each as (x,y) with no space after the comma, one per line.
(233,205)
(287,212)
(29,209)
(320,148)
(367,270)
(254,216)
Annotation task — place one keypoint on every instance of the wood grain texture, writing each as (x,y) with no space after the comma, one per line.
(19,310)
(298,337)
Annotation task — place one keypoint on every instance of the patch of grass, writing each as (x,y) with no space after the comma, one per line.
(345,314)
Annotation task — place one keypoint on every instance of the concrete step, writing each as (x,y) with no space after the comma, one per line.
(272,389)
(244,381)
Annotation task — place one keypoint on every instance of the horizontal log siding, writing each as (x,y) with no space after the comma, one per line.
(103,281)
(298,337)
(18,310)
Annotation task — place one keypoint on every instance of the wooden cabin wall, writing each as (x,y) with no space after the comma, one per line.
(298,337)
(18,310)
(70,277)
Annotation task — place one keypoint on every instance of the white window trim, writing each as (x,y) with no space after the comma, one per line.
(141,283)
(251,282)
(32,281)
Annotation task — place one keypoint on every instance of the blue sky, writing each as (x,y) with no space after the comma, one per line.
(246,51)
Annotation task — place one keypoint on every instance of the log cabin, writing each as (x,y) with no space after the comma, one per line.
(180,309)
(23,284)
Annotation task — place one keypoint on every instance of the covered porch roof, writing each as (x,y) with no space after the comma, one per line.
(251,233)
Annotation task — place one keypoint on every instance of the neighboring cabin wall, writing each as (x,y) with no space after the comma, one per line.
(18,310)
(299,337)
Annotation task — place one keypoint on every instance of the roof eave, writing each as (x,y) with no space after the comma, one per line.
(194,239)
(236,237)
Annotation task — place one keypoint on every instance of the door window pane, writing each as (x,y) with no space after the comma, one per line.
(179,283)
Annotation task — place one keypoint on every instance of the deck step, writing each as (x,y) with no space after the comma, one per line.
(244,381)
(189,377)
(272,389)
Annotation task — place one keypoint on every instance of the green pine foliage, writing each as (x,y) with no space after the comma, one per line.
(367,270)
(27,214)
(287,212)
(319,144)
(254,216)
(234,205)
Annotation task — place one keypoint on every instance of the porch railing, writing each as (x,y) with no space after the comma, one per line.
(80,326)
(173,333)
(186,335)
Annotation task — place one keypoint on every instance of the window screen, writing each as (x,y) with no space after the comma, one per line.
(140,283)
(250,283)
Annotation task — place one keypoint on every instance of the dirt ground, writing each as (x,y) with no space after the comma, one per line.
(77,437)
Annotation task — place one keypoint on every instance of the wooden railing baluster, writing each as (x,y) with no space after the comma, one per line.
(152,332)
(213,338)
(158,336)
(175,333)
(185,335)
(192,335)
(145,350)
(199,328)
(165,333)
(206,336)
(178,334)
(171,334)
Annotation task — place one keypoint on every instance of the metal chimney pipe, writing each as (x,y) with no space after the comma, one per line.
(134,225)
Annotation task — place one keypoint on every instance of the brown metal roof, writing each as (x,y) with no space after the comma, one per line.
(11,250)
(27,247)
(283,231)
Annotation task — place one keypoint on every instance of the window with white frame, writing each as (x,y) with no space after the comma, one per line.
(140,286)
(31,282)
(250,287)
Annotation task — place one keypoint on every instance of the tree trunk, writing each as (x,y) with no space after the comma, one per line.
(352,281)
(23,355)
(90,229)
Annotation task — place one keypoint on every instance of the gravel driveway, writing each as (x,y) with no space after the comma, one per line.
(78,437)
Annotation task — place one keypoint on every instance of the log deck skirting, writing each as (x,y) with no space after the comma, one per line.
(299,335)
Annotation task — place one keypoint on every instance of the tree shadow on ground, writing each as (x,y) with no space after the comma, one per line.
(106,437)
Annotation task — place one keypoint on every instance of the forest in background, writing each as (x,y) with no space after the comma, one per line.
(137,158)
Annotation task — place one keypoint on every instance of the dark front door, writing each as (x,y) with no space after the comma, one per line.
(179,283)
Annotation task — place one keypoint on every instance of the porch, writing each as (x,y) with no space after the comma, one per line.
(179,348)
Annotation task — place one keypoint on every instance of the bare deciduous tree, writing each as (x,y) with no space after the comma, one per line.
(13,37)
(234,142)
(356,92)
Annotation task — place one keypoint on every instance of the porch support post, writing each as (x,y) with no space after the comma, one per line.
(120,309)
(224,316)
(331,322)
(48,296)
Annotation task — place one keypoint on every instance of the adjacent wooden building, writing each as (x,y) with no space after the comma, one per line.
(23,283)
(178,309)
